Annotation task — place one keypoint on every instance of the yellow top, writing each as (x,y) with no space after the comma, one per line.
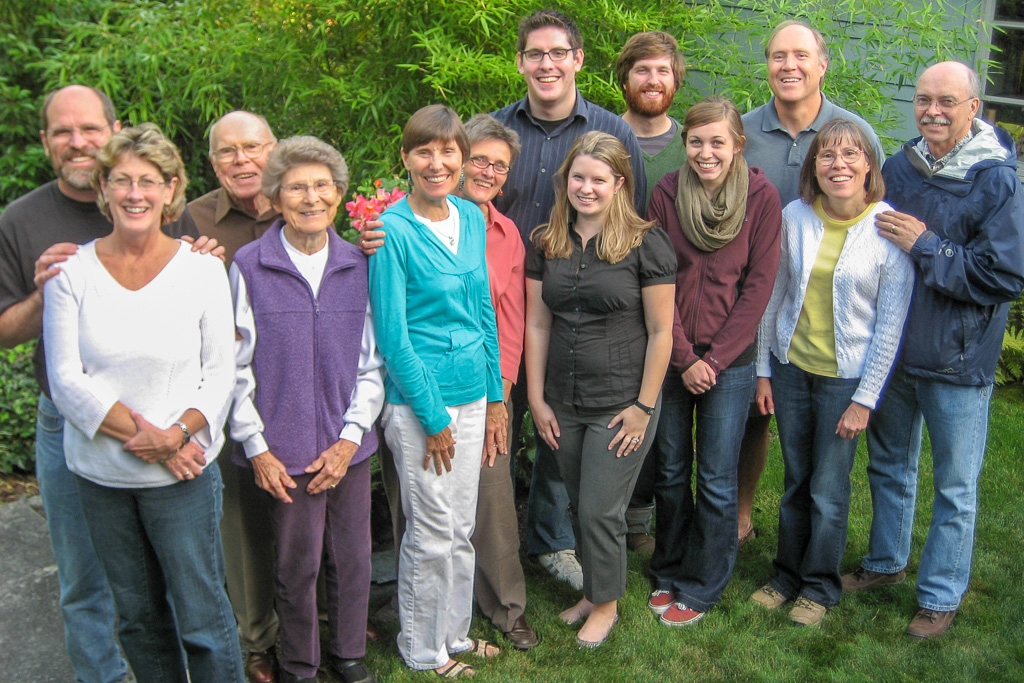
(813,348)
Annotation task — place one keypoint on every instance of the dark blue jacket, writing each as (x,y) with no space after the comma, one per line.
(970,261)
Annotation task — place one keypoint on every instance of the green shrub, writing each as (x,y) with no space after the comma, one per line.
(18,396)
(1011,361)
(352,71)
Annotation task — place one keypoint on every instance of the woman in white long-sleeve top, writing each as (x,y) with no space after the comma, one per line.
(139,339)
(826,344)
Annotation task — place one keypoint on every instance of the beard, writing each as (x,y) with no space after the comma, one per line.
(638,104)
(78,178)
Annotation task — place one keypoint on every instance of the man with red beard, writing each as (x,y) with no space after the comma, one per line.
(37,231)
(650,70)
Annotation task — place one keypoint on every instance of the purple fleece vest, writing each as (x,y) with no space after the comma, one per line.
(307,349)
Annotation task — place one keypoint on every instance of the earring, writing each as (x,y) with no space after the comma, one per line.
(462,181)
(501,192)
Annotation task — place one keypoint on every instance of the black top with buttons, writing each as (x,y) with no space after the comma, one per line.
(598,341)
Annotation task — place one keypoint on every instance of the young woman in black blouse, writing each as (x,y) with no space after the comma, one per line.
(600,290)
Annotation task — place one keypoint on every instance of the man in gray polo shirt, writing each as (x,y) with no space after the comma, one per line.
(779,134)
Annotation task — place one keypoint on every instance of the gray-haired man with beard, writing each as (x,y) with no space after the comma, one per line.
(37,231)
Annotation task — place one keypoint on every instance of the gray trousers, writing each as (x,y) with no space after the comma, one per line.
(249,553)
(599,485)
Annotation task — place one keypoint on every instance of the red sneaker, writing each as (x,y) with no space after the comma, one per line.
(660,601)
(681,615)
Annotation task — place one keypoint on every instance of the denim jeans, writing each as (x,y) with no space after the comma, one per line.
(695,538)
(957,418)
(437,562)
(815,506)
(160,548)
(85,600)
(548,525)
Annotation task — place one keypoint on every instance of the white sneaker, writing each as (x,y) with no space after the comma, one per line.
(564,566)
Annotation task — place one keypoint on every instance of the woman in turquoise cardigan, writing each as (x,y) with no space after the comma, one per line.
(435,328)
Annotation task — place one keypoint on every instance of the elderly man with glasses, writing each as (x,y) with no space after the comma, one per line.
(959,213)
(237,213)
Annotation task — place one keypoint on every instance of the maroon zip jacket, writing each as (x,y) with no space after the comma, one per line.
(721,295)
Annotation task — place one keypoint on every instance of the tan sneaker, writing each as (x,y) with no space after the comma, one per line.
(928,623)
(864,579)
(768,597)
(806,612)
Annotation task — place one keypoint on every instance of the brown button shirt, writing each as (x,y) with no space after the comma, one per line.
(598,341)
(215,215)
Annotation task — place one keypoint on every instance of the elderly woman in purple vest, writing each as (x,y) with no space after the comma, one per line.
(308,390)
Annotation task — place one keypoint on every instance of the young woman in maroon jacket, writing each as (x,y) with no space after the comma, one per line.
(724,220)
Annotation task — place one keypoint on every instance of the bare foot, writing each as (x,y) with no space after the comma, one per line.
(599,623)
(578,611)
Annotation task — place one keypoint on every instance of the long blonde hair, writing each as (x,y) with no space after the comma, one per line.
(623,230)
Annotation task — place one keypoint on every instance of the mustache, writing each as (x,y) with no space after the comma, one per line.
(941,120)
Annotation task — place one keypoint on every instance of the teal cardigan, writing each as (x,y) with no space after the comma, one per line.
(433,315)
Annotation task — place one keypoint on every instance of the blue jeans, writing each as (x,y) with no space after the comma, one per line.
(85,600)
(160,548)
(548,526)
(957,418)
(815,506)
(695,539)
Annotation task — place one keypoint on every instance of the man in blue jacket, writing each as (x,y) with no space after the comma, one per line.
(960,216)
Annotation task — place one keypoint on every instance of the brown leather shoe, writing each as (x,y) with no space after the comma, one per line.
(372,634)
(261,667)
(640,543)
(864,579)
(521,635)
(928,623)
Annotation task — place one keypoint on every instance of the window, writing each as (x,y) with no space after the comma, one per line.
(1004,96)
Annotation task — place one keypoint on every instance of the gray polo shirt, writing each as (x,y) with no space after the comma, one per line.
(771,148)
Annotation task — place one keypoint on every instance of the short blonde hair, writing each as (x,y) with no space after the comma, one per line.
(147,142)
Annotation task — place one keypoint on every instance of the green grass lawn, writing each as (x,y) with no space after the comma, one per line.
(860,640)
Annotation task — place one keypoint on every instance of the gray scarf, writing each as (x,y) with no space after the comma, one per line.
(710,224)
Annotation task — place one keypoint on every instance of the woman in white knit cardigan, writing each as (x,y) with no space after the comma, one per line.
(826,345)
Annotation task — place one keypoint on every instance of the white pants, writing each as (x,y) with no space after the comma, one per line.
(436,561)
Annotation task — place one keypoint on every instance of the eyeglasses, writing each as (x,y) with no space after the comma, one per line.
(500,167)
(324,188)
(944,103)
(252,150)
(850,155)
(89,132)
(557,55)
(124,184)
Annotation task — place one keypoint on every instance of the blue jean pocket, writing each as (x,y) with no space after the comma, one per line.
(48,418)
